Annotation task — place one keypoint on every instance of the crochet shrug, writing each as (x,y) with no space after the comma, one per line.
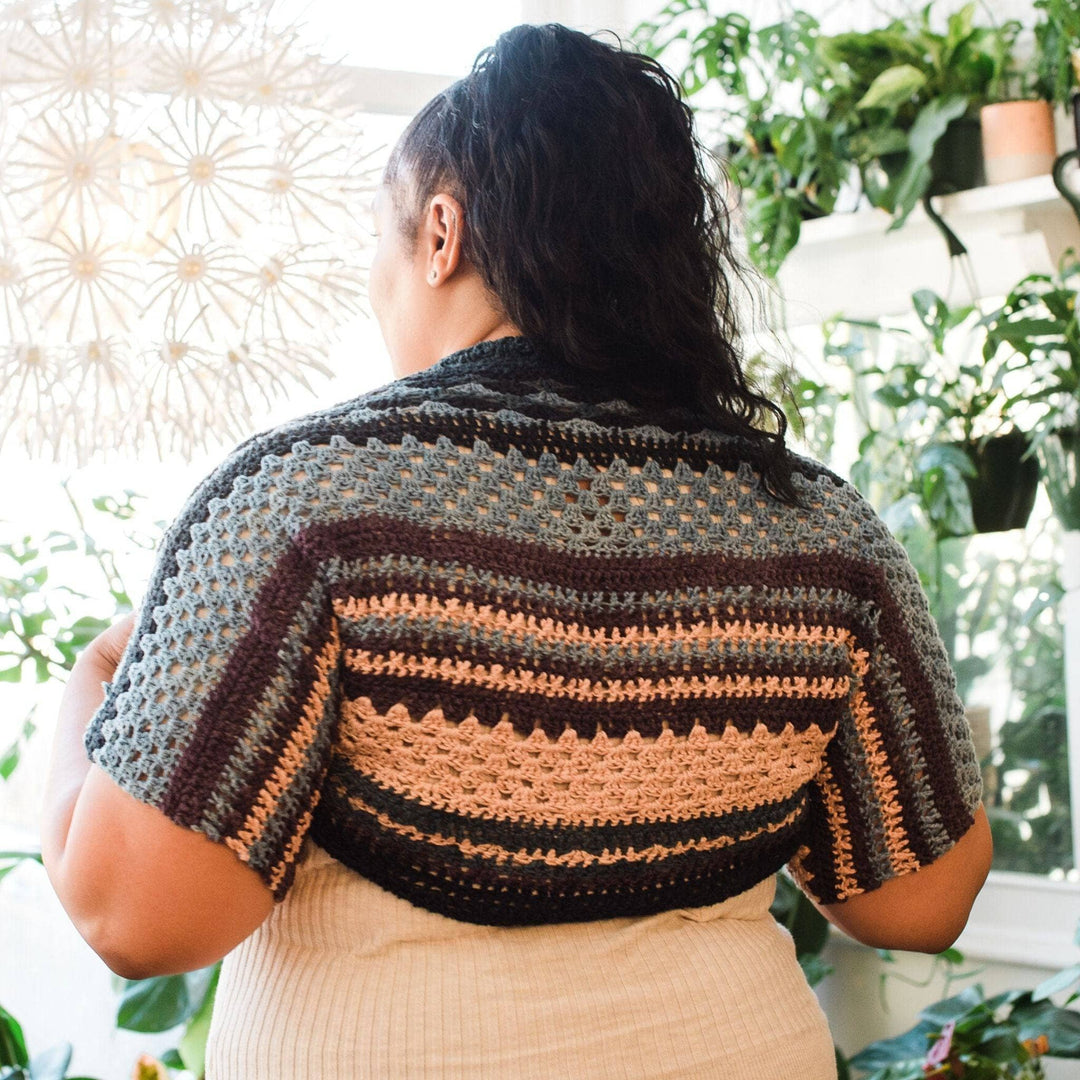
(522,651)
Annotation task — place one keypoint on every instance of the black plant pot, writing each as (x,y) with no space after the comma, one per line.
(1005,483)
(957,161)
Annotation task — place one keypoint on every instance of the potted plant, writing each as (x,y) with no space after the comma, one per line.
(1057,50)
(781,149)
(966,462)
(1038,322)
(15,1060)
(1017,125)
(1004,1037)
(916,93)
(1018,139)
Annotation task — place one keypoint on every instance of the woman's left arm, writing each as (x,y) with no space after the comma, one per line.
(149,896)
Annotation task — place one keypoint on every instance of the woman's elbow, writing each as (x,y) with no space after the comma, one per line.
(932,935)
(145,958)
(924,911)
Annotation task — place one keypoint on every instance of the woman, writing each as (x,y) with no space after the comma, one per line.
(473,718)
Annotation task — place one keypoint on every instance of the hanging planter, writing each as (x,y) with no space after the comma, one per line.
(1060,452)
(1005,481)
(957,161)
(1040,323)
(1017,140)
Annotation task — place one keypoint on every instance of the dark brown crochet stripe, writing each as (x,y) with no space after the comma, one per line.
(858,832)
(526,712)
(539,436)
(240,688)
(818,862)
(691,880)
(379,534)
(344,783)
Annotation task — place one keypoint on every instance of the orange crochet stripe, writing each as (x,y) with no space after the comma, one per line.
(498,774)
(885,786)
(489,618)
(292,759)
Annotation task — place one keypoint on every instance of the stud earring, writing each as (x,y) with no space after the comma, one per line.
(434,275)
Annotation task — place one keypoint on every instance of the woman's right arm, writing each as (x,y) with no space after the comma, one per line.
(924,911)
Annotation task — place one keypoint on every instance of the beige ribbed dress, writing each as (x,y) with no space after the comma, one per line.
(346,980)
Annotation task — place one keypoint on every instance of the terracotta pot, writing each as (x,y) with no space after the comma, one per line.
(1018,140)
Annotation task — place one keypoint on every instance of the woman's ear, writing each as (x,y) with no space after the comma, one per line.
(443,226)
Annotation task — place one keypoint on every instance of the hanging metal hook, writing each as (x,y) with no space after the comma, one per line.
(1061,164)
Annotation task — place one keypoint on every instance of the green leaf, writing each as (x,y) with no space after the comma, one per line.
(933,313)
(877,142)
(946,456)
(52,1064)
(941,1012)
(12,1044)
(814,968)
(896,397)
(1003,1048)
(9,760)
(894,87)
(1060,1026)
(773,224)
(162,1003)
(1056,983)
(907,1050)
(192,1046)
(929,126)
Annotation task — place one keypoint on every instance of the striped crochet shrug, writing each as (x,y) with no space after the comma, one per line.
(522,651)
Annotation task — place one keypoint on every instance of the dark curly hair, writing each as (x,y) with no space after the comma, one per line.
(591,219)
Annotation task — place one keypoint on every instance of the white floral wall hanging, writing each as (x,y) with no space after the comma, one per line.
(182,189)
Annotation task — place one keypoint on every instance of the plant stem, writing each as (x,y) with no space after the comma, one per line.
(113,580)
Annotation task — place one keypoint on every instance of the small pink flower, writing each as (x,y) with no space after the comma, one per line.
(938,1054)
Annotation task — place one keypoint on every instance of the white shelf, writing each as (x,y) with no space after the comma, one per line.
(851,263)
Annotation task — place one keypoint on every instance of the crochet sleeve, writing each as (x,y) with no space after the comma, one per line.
(221,713)
(899,783)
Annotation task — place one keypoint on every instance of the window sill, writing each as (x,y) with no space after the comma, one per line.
(1019,919)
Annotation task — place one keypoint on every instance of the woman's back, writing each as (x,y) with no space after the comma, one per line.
(524,652)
